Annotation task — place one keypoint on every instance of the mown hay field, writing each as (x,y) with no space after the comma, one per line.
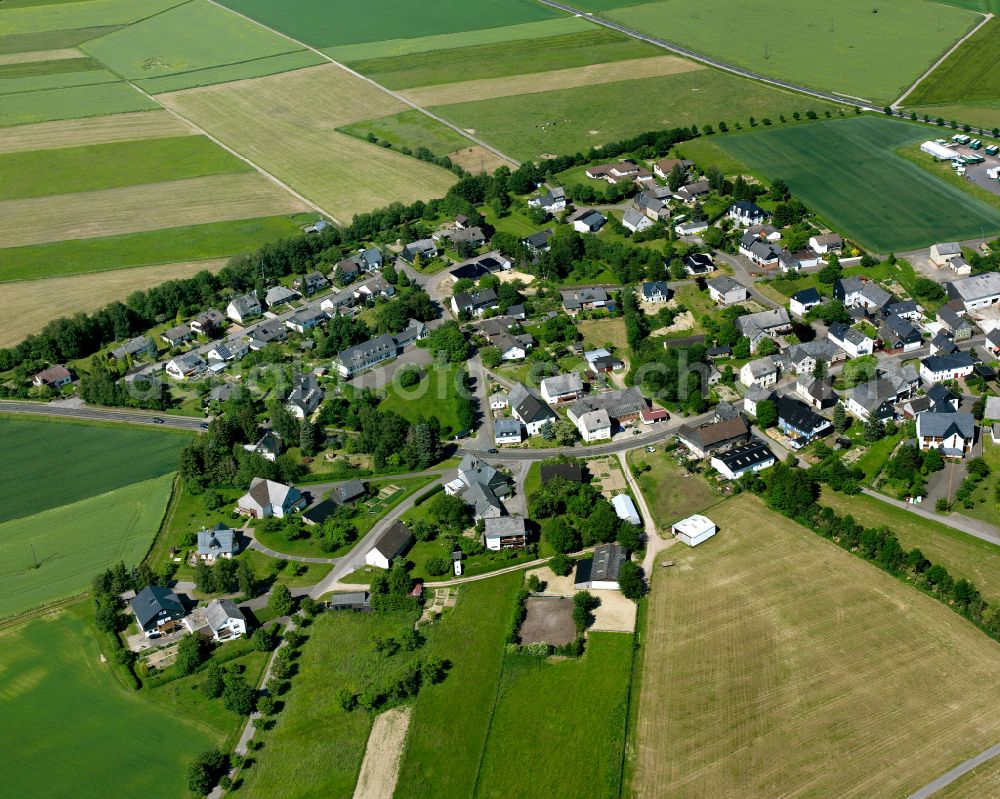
(848,171)
(836,45)
(69,712)
(74,541)
(768,634)
(153,206)
(96,130)
(22,314)
(278,122)
(92,167)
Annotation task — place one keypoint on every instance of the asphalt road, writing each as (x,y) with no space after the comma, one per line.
(103,415)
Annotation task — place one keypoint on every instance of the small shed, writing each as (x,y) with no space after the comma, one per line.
(694,529)
(625,508)
(357,601)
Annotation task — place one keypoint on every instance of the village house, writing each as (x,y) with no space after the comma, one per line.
(765,324)
(177,335)
(279,295)
(698,263)
(305,397)
(715,436)
(226,621)
(816,392)
(655,291)
(364,356)
(269,332)
(726,291)
(636,221)
(745,213)
(588,221)
(873,399)
(390,545)
(850,340)
(134,348)
(310,283)
(268,446)
(55,376)
(754,396)
(425,248)
(479,485)
(561,388)
(897,334)
(268,498)
(946,252)
(476,303)
(506,532)
(219,542)
(593,425)
(186,365)
(157,610)
(529,409)
(665,166)
(943,344)
(690,192)
(306,319)
(481,265)
(826,243)
(762,372)
(537,243)
(244,307)
(472,236)
(799,422)
(600,572)
(762,253)
(936,368)
(552,201)
(622,406)
(802,302)
(953,434)
(751,457)
(583,300)
(857,292)
(208,322)
(507,431)
(954,322)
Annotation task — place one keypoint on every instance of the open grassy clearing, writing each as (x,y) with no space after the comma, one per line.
(82,14)
(154,206)
(477,159)
(827,163)
(484,37)
(74,102)
(313,728)
(411,129)
(112,165)
(185,41)
(564,121)
(981,114)
(61,462)
(601,332)
(177,247)
(592,74)
(272,65)
(359,21)
(57,694)
(574,718)
(836,45)
(40,55)
(459,709)
(50,39)
(73,541)
(97,130)
(819,633)
(670,492)
(962,555)
(435,396)
(277,121)
(594,46)
(971,73)
(23,315)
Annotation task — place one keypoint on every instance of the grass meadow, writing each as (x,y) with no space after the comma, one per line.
(969,74)
(316,748)
(436,395)
(849,172)
(50,39)
(74,541)
(145,248)
(670,492)
(77,726)
(62,16)
(74,102)
(411,129)
(360,21)
(38,173)
(576,735)
(450,721)
(819,634)
(529,125)
(836,45)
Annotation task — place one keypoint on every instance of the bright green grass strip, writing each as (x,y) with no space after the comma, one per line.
(84,14)
(72,103)
(981,114)
(391,48)
(357,21)
(172,245)
(69,712)
(461,708)
(59,463)
(72,542)
(575,718)
(65,80)
(567,120)
(849,172)
(194,36)
(411,129)
(836,45)
(54,67)
(971,73)
(271,65)
(437,395)
(51,40)
(37,173)
(595,46)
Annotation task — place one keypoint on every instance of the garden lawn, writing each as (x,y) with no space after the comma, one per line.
(962,555)
(835,45)
(73,542)
(359,21)
(670,492)
(601,332)
(103,166)
(987,494)
(69,712)
(819,634)
(53,463)
(969,74)
(313,729)
(569,120)
(575,718)
(459,709)
(825,165)
(436,396)
(876,456)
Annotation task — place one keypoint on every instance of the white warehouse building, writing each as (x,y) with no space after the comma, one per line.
(694,529)
(939,151)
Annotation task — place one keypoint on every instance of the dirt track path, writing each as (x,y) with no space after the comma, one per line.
(380,768)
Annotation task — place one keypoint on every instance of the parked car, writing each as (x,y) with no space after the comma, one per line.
(157,420)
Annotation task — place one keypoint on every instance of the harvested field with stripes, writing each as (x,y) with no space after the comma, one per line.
(768,634)
(97,130)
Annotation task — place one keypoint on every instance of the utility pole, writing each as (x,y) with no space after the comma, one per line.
(34,557)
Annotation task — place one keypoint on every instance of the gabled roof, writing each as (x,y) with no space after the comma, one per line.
(725,284)
(220,611)
(504,526)
(624,402)
(942,399)
(393,540)
(652,288)
(944,425)
(607,562)
(872,394)
(527,406)
(799,415)
(568,383)
(746,455)
(567,471)
(948,363)
(714,433)
(153,599)
(347,491)
(807,296)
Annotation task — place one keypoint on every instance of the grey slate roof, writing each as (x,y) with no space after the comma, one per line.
(217,541)
(220,611)
(933,423)
(152,599)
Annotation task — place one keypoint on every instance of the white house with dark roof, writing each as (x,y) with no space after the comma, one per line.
(751,457)
(507,431)
(636,221)
(936,368)
(552,201)
(584,299)
(185,366)
(655,291)
(762,253)
(857,292)
(305,397)
(588,221)
(953,434)
(726,291)
(219,542)
(225,620)
(802,302)
(157,609)
(425,248)
(851,340)
(529,408)
(269,498)
(389,545)
(243,307)
(825,243)
(745,213)
(208,321)
(593,425)
(364,356)
(764,324)
(177,335)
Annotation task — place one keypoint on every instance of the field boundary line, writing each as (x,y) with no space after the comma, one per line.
(959,771)
(489,727)
(396,95)
(941,60)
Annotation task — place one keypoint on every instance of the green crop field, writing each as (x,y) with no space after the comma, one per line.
(561,730)
(57,463)
(769,634)
(848,171)
(529,125)
(51,40)
(44,18)
(411,129)
(50,67)
(836,45)
(313,728)
(74,541)
(376,20)
(74,102)
(971,73)
(37,173)
(61,80)
(460,708)
(257,68)
(171,245)
(72,724)
(499,60)
(195,36)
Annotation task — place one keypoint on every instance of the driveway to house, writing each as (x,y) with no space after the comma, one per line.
(973,527)
(484,437)
(743,277)
(655,543)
